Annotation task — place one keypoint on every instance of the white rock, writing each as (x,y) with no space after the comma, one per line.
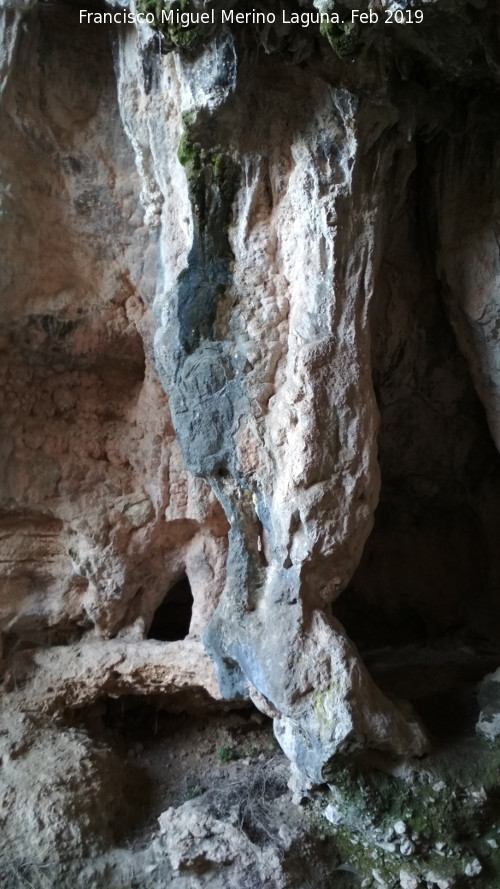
(332,814)
(473,868)
(407,847)
(434,879)
(408,880)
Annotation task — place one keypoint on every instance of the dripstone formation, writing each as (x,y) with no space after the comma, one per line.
(250,412)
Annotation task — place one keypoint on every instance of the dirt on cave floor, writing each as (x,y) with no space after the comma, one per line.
(89,790)
(171,758)
(150,767)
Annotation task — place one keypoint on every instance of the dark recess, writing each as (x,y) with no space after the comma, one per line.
(172,618)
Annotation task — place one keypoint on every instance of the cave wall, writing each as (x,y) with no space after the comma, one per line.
(99,517)
(270,377)
(295,234)
(430,567)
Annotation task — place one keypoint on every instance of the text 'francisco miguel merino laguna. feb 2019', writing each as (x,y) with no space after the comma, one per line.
(185,19)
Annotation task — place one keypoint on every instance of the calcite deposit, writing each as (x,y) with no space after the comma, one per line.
(249,399)
(262,344)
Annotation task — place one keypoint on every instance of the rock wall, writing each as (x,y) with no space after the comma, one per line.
(284,211)
(296,181)
(99,517)
(429,569)
(248,337)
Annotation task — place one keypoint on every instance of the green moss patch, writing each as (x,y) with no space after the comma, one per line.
(213,176)
(442,820)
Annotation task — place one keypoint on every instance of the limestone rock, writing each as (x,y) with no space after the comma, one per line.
(488,723)
(260,360)
(57,679)
(199,844)
(469,261)
(59,792)
(98,516)
(248,287)
(236,246)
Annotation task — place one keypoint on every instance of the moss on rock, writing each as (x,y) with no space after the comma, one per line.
(189,37)
(213,176)
(439,823)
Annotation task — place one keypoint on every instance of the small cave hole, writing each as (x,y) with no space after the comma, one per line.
(172,618)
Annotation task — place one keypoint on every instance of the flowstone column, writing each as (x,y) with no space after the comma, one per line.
(275,189)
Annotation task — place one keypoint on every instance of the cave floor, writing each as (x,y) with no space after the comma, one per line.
(222,774)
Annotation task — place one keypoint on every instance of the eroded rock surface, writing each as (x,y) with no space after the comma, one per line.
(263,344)
(249,283)
(99,517)
(259,359)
